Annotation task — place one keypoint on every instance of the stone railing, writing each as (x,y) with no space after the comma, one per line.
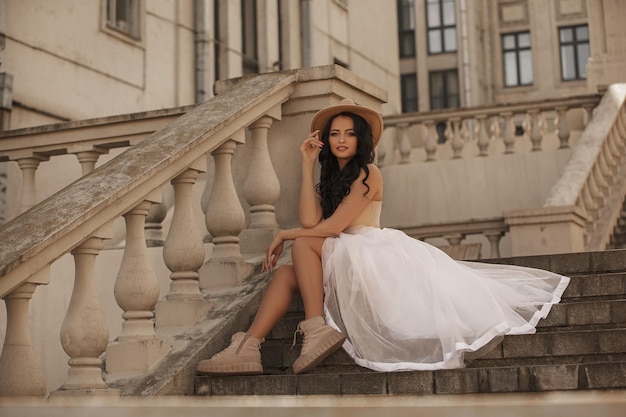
(455,232)
(595,179)
(88,140)
(78,219)
(481,131)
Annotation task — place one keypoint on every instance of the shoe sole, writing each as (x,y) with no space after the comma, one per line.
(325,351)
(239,369)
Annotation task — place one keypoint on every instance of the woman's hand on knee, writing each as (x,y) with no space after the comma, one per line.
(273,253)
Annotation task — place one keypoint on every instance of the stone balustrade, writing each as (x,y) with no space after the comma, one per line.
(78,219)
(180,144)
(491,230)
(481,131)
(584,205)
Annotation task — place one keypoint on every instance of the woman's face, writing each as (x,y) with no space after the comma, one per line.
(342,139)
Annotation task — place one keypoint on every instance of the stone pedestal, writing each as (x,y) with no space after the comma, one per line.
(134,356)
(546,230)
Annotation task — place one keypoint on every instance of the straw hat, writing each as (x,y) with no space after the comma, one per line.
(371,116)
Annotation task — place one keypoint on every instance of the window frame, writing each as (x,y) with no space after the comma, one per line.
(408,7)
(413,98)
(249,45)
(135,18)
(575,43)
(446,89)
(517,51)
(441,27)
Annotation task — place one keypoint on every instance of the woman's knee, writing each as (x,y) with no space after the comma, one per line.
(287,276)
(306,243)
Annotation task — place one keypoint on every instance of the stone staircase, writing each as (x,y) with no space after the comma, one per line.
(581,345)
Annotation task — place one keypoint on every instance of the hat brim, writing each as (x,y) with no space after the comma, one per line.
(371,116)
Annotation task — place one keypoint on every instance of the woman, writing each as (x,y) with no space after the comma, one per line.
(393,302)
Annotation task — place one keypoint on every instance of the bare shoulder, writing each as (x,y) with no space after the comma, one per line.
(374,181)
(374,170)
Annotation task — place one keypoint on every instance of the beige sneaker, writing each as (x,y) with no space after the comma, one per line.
(241,357)
(320,341)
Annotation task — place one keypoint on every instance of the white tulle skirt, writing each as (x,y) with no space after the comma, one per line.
(405,305)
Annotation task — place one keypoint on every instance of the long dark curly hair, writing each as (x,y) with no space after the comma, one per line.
(335,183)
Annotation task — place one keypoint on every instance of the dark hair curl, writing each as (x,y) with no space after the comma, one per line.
(335,183)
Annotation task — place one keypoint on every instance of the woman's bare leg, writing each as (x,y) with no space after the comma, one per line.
(305,276)
(276,301)
(306,254)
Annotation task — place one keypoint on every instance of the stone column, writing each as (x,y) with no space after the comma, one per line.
(136,291)
(225,219)
(183,254)
(261,190)
(85,333)
(20,371)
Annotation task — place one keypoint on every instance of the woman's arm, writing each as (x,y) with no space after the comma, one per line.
(349,209)
(309,208)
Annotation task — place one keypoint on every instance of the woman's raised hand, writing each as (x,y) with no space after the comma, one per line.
(311,147)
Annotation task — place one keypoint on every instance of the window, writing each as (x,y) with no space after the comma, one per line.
(248,36)
(123,16)
(444,89)
(406,28)
(408,86)
(444,93)
(517,59)
(574,42)
(441,23)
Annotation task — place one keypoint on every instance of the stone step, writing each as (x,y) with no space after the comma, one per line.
(581,315)
(550,377)
(596,287)
(277,355)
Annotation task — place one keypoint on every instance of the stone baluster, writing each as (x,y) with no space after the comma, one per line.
(614,146)
(589,112)
(600,179)
(404,145)
(87,160)
(136,291)
(508,136)
(563,127)
(494,238)
(183,254)
(29,185)
(20,371)
(454,239)
(225,219)
(431,140)
(154,225)
(594,189)
(85,333)
(536,133)
(483,135)
(589,202)
(261,190)
(457,141)
(606,165)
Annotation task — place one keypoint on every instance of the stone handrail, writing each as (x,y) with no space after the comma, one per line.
(594,180)
(483,125)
